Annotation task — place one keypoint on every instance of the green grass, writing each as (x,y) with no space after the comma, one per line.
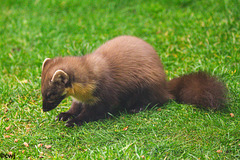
(188,35)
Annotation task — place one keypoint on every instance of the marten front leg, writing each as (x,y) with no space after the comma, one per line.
(74,111)
(89,113)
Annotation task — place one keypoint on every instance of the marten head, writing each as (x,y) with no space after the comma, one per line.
(53,85)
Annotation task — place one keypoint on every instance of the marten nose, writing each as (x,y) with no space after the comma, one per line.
(49,105)
(46,106)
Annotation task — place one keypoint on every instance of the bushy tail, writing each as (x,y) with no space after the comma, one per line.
(198,89)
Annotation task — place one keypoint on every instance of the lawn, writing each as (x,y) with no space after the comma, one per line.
(188,36)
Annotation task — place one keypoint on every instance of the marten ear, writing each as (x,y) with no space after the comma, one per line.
(60,76)
(45,62)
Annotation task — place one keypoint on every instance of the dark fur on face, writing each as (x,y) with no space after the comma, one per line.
(53,95)
(53,87)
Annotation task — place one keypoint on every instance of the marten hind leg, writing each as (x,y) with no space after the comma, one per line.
(138,103)
(74,111)
(148,100)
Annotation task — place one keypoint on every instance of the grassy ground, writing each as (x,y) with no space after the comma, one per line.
(188,35)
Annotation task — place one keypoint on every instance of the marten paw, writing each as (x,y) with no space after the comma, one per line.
(72,122)
(64,116)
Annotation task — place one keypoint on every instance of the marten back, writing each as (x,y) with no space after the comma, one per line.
(135,71)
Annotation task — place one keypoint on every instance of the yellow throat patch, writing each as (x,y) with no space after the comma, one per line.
(83,92)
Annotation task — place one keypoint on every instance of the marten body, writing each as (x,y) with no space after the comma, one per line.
(124,73)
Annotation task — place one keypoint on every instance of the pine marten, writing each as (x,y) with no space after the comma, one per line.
(124,73)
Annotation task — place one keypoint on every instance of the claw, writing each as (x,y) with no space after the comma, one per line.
(73,122)
(69,124)
(64,116)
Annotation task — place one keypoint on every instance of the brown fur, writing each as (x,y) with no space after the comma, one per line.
(198,89)
(124,73)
